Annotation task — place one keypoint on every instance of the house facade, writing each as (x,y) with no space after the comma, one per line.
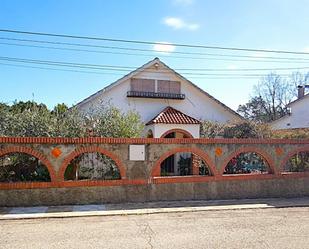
(298,117)
(169,104)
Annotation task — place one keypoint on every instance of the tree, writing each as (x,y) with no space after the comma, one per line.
(60,109)
(298,79)
(20,107)
(4,118)
(30,119)
(241,129)
(111,122)
(69,123)
(254,110)
(271,96)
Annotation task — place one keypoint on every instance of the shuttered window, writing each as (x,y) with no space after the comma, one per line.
(168,86)
(143,85)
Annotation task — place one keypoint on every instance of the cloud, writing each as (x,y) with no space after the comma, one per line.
(183,2)
(164,47)
(306,49)
(178,23)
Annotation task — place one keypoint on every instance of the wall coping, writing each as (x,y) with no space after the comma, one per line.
(106,140)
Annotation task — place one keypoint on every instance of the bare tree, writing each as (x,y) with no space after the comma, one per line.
(276,92)
(298,79)
(271,96)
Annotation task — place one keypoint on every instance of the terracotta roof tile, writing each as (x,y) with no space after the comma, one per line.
(172,116)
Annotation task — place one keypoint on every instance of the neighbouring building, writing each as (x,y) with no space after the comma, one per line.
(169,104)
(298,116)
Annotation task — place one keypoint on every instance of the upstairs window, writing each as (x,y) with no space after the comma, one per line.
(150,88)
(143,85)
(168,86)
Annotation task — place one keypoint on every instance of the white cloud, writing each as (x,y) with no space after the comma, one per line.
(306,49)
(164,47)
(183,2)
(178,23)
(174,22)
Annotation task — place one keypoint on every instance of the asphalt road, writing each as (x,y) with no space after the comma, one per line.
(255,228)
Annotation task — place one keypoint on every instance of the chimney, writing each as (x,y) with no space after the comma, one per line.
(301,91)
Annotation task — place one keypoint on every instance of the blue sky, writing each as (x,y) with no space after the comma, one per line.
(264,24)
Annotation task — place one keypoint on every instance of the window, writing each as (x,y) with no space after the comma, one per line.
(146,88)
(143,85)
(168,86)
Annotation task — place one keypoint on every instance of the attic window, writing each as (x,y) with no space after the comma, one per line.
(146,88)
(143,85)
(168,86)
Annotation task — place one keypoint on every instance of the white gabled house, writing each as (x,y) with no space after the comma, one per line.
(169,104)
(298,117)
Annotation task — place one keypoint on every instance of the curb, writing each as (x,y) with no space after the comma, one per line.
(146,211)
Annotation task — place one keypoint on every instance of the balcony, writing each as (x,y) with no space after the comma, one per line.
(154,95)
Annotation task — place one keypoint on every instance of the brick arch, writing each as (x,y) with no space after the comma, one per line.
(177,130)
(290,154)
(262,153)
(34,153)
(90,149)
(157,166)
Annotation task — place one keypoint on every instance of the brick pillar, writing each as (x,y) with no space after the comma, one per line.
(195,164)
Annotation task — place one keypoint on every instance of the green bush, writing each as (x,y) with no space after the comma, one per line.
(29,119)
(243,129)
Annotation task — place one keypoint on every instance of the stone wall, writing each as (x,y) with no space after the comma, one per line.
(141,181)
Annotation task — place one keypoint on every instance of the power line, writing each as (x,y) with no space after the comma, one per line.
(57,69)
(107,73)
(148,55)
(137,49)
(130,68)
(151,42)
(117,69)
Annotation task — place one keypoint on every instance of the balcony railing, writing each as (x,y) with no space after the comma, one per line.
(155,95)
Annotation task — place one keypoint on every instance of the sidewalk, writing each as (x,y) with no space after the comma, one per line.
(146,208)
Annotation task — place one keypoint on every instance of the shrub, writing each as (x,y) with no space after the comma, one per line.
(244,129)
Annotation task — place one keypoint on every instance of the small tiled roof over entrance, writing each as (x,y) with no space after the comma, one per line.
(172,116)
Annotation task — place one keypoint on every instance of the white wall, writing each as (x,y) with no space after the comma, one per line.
(299,117)
(196,103)
(160,129)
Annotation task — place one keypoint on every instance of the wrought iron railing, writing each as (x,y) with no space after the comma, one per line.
(156,95)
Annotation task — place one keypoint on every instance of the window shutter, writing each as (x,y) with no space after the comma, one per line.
(143,85)
(163,86)
(167,86)
(175,87)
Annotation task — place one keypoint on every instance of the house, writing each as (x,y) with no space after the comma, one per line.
(169,104)
(298,116)
(170,107)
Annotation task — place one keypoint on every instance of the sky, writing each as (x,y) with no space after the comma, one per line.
(263,24)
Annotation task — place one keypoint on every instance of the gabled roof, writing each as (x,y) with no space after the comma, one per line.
(279,119)
(298,100)
(289,105)
(141,69)
(172,116)
(119,81)
(201,90)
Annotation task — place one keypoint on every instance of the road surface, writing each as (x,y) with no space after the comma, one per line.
(255,228)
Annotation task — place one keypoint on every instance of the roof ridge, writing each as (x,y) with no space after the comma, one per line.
(150,63)
(298,99)
(170,115)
